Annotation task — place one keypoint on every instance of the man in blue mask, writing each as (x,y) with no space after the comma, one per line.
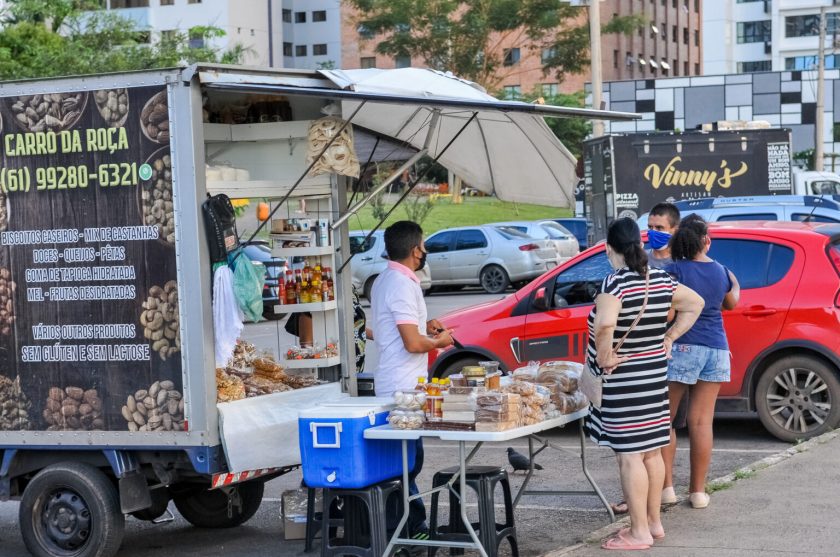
(662,223)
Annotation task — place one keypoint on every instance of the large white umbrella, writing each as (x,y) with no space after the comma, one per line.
(512,155)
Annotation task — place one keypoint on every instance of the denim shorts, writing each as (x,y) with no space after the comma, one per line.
(692,362)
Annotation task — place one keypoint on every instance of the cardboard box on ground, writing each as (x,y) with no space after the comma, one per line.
(293,512)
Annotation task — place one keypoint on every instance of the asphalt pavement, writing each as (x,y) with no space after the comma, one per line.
(544,523)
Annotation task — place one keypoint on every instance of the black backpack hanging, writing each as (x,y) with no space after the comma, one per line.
(220,226)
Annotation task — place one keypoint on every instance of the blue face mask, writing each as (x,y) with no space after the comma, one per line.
(658,240)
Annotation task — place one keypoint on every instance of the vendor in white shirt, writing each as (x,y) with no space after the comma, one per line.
(403,335)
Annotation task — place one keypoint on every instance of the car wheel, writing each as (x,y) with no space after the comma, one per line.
(368,287)
(494,279)
(71,509)
(455,366)
(798,397)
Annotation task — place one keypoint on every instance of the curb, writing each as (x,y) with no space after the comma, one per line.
(737,475)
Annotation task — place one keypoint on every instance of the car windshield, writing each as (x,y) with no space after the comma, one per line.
(511,233)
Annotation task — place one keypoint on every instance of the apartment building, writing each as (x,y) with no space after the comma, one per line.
(743,36)
(278,33)
(670,45)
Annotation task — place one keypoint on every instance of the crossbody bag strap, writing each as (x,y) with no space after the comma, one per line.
(618,346)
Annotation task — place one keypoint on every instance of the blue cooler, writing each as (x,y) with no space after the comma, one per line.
(334,452)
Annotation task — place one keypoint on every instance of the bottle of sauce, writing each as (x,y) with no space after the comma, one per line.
(307,272)
(298,286)
(281,289)
(305,293)
(330,288)
(317,276)
(421,384)
(291,297)
(436,399)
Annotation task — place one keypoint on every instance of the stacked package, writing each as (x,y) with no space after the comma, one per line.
(460,406)
(408,413)
(535,400)
(497,411)
(561,379)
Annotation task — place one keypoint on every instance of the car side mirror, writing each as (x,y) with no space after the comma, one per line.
(540,300)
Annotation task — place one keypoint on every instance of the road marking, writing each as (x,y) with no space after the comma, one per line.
(577,448)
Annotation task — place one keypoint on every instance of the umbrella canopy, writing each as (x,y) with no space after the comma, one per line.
(513,155)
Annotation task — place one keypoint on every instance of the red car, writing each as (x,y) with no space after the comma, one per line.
(784,335)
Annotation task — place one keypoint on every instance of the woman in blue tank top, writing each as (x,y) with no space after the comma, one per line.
(700,361)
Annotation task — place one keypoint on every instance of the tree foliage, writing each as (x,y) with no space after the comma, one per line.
(47,38)
(570,131)
(468,37)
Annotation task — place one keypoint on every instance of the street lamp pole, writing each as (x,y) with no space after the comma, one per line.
(595,52)
(820,120)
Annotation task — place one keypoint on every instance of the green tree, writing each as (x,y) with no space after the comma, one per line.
(46,38)
(468,37)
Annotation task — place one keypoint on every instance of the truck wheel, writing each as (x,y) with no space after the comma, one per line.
(368,287)
(798,397)
(494,279)
(160,502)
(210,508)
(71,509)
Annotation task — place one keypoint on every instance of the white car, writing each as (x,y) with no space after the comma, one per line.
(370,259)
(564,241)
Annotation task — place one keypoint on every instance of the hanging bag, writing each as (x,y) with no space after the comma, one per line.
(592,383)
(248,283)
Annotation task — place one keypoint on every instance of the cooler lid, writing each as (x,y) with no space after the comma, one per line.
(345,411)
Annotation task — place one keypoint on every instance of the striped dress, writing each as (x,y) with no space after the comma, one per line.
(634,415)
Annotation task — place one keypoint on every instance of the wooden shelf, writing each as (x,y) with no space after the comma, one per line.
(317,186)
(303,252)
(295,130)
(311,363)
(298,308)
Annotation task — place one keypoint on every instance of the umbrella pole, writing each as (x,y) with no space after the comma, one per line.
(420,177)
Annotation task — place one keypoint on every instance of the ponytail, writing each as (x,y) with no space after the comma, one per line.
(624,237)
(688,241)
(635,258)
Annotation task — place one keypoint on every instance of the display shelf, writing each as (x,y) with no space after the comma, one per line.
(303,252)
(298,308)
(317,186)
(311,362)
(269,131)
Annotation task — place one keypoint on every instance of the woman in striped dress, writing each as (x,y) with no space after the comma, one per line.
(634,418)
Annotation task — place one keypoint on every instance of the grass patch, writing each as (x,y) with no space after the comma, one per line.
(473,211)
(713,487)
(744,474)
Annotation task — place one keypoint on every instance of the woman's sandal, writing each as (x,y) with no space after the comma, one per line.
(623,542)
(620,508)
(699,500)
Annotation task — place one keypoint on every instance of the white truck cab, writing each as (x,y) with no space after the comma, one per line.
(812,182)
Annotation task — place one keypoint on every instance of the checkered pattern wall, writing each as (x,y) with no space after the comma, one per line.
(785,99)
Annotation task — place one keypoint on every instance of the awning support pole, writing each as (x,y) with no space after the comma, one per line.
(374,192)
(416,180)
(303,175)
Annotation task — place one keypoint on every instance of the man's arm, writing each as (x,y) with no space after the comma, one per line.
(418,344)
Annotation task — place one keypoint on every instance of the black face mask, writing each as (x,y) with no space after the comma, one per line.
(422,260)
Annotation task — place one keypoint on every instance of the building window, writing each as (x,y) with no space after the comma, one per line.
(300,50)
(673,3)
(196,40)
(319,15)
(402,61)
(676,66)
(168,34)
(756,66)
(674,36)
(319,50)
(615,58)
(697,6)
(696,68)
(685,68)
(287,16)
(832,61)
(696,37)
(754,31)
(167,2)
(664,31)
(550,89)
(300,17)
(511,56)
(685,35)
(119,4)
(189,2)
(809,25)
(512,91)
(287,49)
(367,62)
(364,32)
(547,54)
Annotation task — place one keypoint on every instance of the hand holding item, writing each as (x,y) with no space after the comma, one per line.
(444,338)
(668,342)
(433,326)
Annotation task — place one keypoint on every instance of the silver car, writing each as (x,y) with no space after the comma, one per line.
(370,259)
(564,241)
(490,256)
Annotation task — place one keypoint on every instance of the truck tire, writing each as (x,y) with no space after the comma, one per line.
(208,508)
(71,509)
(368,287)
(798,397)
(160,502)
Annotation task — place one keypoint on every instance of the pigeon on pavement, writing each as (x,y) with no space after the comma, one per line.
(520,462)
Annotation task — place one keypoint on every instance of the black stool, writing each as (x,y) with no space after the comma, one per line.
(483,480)
(313,520)
(364,513)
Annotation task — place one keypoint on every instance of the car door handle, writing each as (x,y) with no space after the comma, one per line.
(367,258)
(759,311)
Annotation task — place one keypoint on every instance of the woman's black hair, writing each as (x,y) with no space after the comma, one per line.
(688,240)
(624,237)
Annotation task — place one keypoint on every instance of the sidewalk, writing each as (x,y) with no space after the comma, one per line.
(788,508)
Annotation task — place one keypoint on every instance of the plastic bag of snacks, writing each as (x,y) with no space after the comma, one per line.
(527,372)
(570,402)
(410,400)
(565,374)
(523,388)
(406,419)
